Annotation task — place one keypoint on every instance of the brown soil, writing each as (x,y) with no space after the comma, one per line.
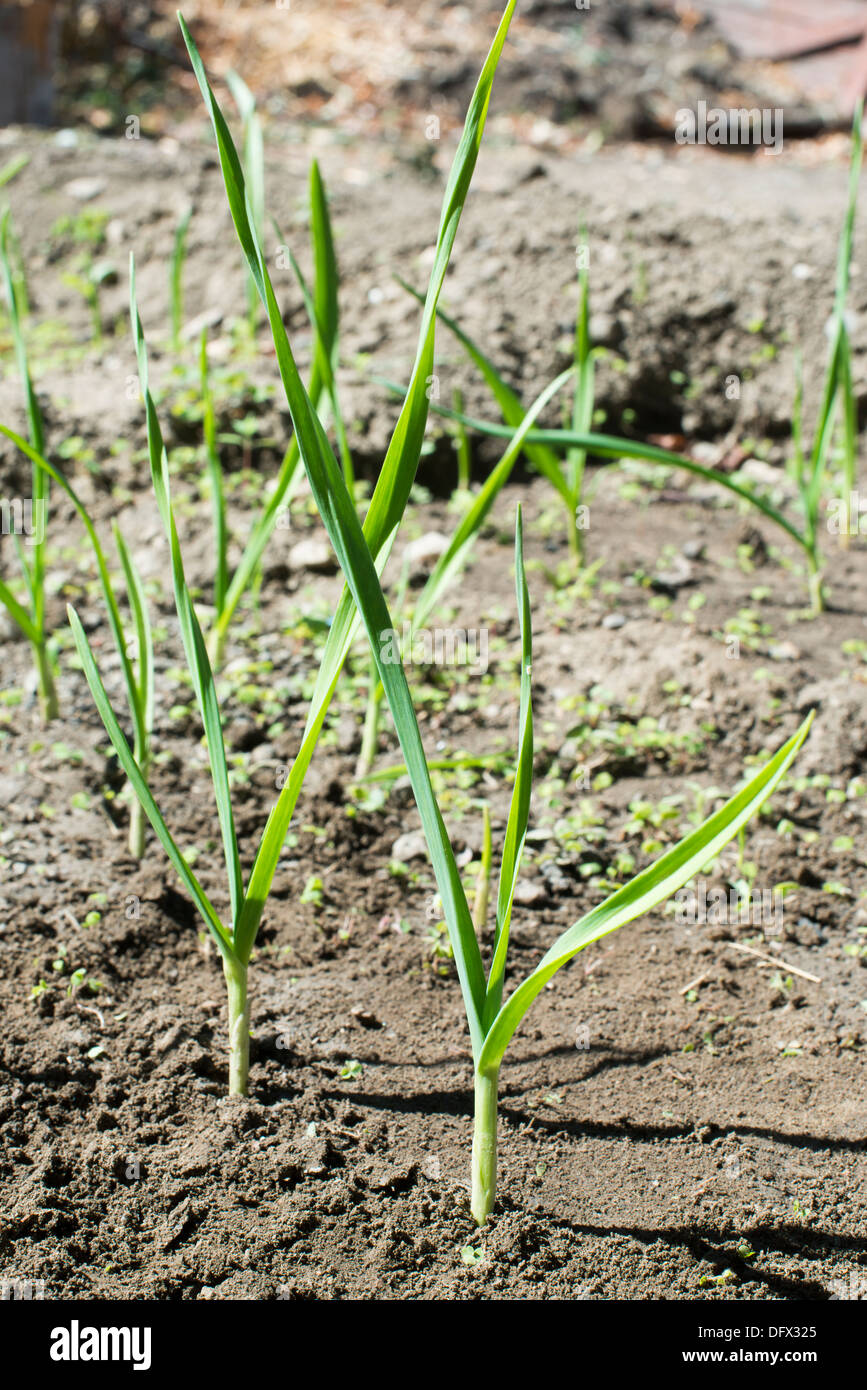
(631,1169)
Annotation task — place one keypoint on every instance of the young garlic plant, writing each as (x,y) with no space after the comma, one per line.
(322,305)
(254,169)
(492,1021)
(568,481)
(137,673)
(548,449)
(455,556)
(236,937)
(29,616)
(491,1018)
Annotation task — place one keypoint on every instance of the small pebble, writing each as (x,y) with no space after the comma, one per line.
(314,555)
(412,845)
(84,190)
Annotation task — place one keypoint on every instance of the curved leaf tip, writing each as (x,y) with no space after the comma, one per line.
(653,886)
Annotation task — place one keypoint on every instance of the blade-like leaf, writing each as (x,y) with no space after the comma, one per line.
(327,277)
(391,493)
(324,309)
(519,811)
(11,169)
(609,446)
(34,414)
(33,571)
(29,573)
(19,614)
(582,406)
(341,521)
(344,529)
(144,650)
(511,409)
(282,493)
(455,553)
(844,249)
(509,402)
(483,878)
(191,633)
(41,463)
(354,552)
(140,786)
(835,367)
(392,489)
(395,770)
(824,430)
(254,157)
(325,363)
(647,890)
(458,548)
(218,502)
(797,462)
(850,423)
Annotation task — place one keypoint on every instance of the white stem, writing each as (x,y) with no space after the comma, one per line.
(239,1026)
(484,1148)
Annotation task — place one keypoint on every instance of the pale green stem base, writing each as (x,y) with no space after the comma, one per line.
(136,829)
(216,645)
(576,539)
(48,702)
(480,901)
(239,1026)
(484,1148)
(370,736)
